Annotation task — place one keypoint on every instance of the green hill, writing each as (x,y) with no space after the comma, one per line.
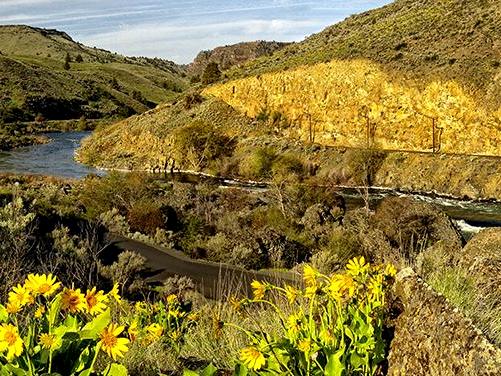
(425,39)
(97,83)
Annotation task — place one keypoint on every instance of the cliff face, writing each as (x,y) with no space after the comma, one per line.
(234,55)
(421,39)
(356,104)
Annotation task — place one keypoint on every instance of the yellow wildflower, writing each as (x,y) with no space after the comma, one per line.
(390,270)
(20,296)
(291,293)
(310,276)
(113,345)
(294,322)
(133,331)
(39,312)
(13,307)
(171,299)
(95,301)
(357,266)
(304,345)
(259,289)
(114,293)
(341,285)
(326,336)
(252,358)
(42,284)
(140,307)
(73,301)
(10,341)
(311,291)
(155,330)
(49,341)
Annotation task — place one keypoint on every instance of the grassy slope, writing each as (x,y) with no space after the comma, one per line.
(426,39)
(31,65)
(144,141)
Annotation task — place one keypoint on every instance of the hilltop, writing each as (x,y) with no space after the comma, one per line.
(233,55)
(425,39)
(97,83)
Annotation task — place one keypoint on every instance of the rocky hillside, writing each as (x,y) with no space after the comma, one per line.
(35,79)
(235,55)
(425,39)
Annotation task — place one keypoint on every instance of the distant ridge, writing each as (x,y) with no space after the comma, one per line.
(97,84)
(234,55)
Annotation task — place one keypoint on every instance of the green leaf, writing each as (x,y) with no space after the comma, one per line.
(188,372)
(241,370)
(4,316)
(116,369)
(210,370)
(83,359)
(96,326)
(335,366)
(54,309)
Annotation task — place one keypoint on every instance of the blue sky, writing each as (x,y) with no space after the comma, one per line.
(178,30)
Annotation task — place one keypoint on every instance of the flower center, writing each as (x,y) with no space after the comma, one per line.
(42,289)
(109,340)
(10,338)
(91,300)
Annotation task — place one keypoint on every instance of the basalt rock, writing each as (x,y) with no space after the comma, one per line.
(432,338)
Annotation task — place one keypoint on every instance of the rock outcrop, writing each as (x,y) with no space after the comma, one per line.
(433,338)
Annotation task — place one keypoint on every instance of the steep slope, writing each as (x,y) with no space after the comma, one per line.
(189,134)
(97,84)
(235,55)
(421,39)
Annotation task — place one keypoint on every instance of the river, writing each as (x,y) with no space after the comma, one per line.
(57,159)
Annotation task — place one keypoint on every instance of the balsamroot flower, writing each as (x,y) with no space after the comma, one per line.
(49,341)
(155,330)
(357,266)
(41,284)
(20,296)
(10,341)
(258,289)
(310,276)
(252,358)
(113,345)
(95,301)
(73,301)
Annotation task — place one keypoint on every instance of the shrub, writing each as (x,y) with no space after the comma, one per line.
(199,143)
(257,163)
(145,216)
(211,74)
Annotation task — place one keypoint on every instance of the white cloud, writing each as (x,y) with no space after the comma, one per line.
(179,42)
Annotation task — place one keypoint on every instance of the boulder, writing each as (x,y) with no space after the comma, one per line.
(411,227)
(481,258)
(433,338)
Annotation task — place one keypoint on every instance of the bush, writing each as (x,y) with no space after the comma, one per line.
(199,143)
(211,74)
(257,163)
(145,216)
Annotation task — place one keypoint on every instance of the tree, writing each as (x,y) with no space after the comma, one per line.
(66,66)
(79,59)
(211,74)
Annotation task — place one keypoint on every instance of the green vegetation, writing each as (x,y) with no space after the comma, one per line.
(47,72)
